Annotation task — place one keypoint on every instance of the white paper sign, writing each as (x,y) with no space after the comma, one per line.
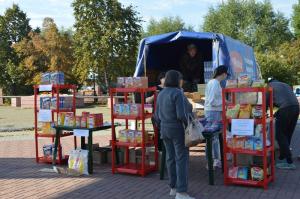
(242,127)
(81,132)
(47,87)
(44,115)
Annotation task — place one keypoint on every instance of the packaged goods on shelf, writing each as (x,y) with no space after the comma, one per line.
(232,111)
(46,78)
(239,142)
(132,82)
(129,82)
(69,119)
(53,78)
(78,121)
(258,131)
(249,143)
(244,81)
(140,82)
(47,128)
(121,82)
(125,110)
(242,173)
(57,78)
(83,123)
(257,144)
(258,83)
(245,112)
(233,172)
(45,102)
(133,136)
(257,111)
(123,135)
(62,103)
(61,119)
(95,120)
(257,173)
(85,114)
(135,109)
(128,109)
(247,98)
(48,150)
(84,119)
(231,83)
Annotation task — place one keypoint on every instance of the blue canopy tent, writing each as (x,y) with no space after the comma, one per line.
(163,52)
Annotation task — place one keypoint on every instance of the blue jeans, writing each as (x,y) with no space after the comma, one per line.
(214,116)
(177,159)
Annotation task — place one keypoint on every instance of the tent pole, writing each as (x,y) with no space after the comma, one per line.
(145,71)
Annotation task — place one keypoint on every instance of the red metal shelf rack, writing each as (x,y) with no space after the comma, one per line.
(54,92)
(266,149)
(133,168)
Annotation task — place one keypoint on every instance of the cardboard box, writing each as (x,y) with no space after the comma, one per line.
(197,96)
(201,89)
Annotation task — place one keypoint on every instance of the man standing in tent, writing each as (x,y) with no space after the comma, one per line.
(192,68)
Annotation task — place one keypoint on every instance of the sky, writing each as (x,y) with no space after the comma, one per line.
(191,11)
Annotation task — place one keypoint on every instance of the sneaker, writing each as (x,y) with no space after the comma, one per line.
(173,192)
(183,196)
(286,166)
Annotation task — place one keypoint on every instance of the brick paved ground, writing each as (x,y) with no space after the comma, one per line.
(20,178)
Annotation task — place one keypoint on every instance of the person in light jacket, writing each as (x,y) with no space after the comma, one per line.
(213,106)
(172,108)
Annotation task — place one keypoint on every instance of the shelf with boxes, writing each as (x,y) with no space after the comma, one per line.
(46,111)
(140,138)
(248,135)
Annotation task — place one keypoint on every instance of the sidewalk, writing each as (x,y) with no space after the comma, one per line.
(20,178)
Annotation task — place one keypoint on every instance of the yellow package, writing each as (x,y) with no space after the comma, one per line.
(61,119)
(245,112)
(46,127)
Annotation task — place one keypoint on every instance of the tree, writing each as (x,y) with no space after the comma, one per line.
(296,19)
(106,39)
(274,64)
(14,26)
(165,25)
(290,51)
(49,50)
(253,22)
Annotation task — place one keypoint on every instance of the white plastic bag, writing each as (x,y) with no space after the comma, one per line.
(78,161)
(193,132)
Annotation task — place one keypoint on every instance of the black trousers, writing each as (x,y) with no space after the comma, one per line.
(286,121)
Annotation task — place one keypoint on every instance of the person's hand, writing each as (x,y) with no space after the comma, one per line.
(149,100)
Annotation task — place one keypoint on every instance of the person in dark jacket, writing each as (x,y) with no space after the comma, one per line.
(172,108)
(286,120)
(192,67)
